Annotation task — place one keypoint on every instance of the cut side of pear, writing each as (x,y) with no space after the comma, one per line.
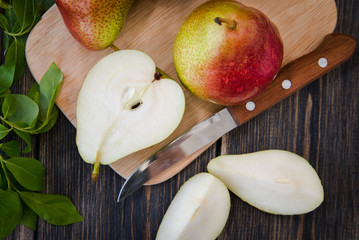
(274,181)
(198,211)
(123,108)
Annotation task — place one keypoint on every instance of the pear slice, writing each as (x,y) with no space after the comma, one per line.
(274,181)
(199,210)
(125,105)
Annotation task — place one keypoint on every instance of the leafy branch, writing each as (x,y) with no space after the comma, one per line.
(21,178)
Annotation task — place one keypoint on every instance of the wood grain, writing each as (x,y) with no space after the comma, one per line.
(151,27)
(320,122)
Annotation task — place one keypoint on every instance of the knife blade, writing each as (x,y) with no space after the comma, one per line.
(334,50)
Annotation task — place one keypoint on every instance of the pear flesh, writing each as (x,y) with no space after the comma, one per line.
(274,181)
(199,210)
(123,108)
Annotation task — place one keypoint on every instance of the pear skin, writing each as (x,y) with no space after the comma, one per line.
(226,52)
(94,23)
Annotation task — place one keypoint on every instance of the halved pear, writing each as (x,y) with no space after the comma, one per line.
(125,105)
(199,210)
(274,181)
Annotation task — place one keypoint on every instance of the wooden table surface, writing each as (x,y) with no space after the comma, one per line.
(320,123)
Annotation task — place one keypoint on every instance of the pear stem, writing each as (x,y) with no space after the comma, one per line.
(95,171)
(157,76)
(114,47)
(230,23)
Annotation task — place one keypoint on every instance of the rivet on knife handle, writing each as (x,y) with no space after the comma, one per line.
(334,50)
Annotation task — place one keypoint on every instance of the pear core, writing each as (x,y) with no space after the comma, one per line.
(121,109)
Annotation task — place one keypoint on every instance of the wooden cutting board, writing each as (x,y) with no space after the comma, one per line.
(151,26)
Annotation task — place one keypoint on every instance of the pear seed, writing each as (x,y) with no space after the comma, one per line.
(137,105)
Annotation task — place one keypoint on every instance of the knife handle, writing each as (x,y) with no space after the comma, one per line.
(335,49)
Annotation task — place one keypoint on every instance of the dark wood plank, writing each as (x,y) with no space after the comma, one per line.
(319,123)
(138,217)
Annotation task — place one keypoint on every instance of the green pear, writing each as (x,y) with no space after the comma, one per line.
(94,23)
(226,52)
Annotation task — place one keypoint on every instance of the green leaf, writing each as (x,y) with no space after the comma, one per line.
(10,211)
(43,5)
(6,41)
(3,184)
(16,55)
(27,138)
(46,4)
(28,172)
(26,111)
(55,209)
(7,73)
(10,15)
(3,95)
(49,87)
(24,11)
(4,23)
(4,131)
(29,217)
(34,93)
(3,181)
(5,5)
(8,106)
(12,148)
(50,121)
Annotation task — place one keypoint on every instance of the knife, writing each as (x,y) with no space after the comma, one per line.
(334,50)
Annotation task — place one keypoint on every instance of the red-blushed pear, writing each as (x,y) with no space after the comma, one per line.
(94,23)
(226,52)
(125,104)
